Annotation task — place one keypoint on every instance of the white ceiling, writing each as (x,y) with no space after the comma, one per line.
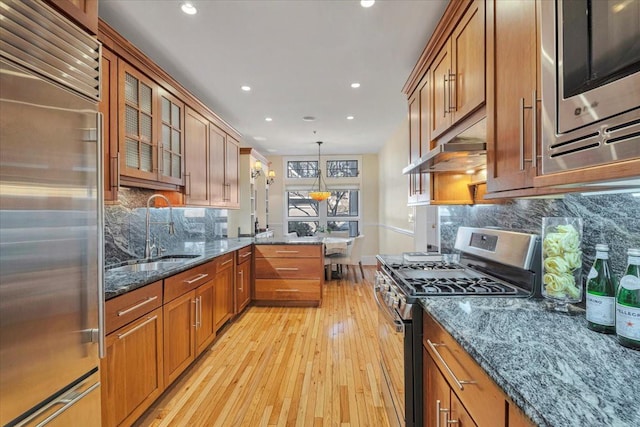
(298,56)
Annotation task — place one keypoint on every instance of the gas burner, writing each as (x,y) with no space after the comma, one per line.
(461,286)
(426,266)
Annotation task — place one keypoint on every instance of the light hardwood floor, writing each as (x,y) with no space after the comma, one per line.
(286,367)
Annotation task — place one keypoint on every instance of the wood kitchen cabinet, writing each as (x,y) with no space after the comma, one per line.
(224,286)
(108,107)
(442,407)
(513,91)
(171,141)
(458,71)
(288,275)
(189,307)
(457,388)
(242,294)
(211,161)
(82,12)
(419,141)
(132,371)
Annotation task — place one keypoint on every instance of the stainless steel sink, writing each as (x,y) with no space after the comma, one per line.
(157,264)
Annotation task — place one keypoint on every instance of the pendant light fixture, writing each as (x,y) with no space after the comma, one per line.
(320,194)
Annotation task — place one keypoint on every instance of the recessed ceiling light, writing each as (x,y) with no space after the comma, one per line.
(355,85)
(245,88)
(188,8)
(309,118)
(259,138)
(367,3)
(268,119)
(350,117)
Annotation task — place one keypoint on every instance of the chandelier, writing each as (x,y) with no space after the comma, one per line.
(320,194)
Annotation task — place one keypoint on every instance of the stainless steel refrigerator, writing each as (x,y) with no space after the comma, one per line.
(50,219)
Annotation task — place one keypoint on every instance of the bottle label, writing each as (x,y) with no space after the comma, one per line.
(601,310)
(628,322)
(630,282)
(602,255)
(593,273)
(635,260)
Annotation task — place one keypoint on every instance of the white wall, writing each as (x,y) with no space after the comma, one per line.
(396,231)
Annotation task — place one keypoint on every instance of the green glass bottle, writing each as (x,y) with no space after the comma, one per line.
(628,303)
(601,294)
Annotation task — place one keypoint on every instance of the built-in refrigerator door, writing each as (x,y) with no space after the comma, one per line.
(49,229)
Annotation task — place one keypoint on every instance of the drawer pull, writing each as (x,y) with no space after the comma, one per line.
(129,332)
(195,279)
(246,254)
(459,383)
(137,306)
(287,269)
(287,290)
(287,252)
(226,262)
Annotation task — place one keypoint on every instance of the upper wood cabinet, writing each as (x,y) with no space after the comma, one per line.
(458,71)
(171,143)
(108,108)
(212,160)
(513,90)
(419,140)
(82,12)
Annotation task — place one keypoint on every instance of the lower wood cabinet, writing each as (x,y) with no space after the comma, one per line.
(204,316)
(180,335)
(457,390)
(224,286)
(132,375)
(242,296)
(288,274)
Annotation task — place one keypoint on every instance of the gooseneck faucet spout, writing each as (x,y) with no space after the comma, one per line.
(148,249)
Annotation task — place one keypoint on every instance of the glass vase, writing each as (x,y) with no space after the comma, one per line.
(562,262)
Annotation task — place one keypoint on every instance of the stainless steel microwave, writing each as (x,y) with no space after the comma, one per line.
(590,83)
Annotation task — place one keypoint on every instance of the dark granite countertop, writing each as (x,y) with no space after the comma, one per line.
(559,372)
(120,282)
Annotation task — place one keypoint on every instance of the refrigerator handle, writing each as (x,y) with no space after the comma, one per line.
(100,210)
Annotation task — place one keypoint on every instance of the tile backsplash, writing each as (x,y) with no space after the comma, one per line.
(124,227)
(613,219)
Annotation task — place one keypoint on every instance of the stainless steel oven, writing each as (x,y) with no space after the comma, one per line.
(590,82)
(399,375)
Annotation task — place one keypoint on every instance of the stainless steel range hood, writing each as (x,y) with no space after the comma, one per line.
(466,151)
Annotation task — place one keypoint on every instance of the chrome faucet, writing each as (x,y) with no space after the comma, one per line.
(148,249)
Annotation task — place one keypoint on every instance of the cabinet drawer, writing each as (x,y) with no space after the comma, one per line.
(480,398)
(186,281)
(128,307)
(224,261)
(288,290)
(244,254)
(288,251)
(283,268)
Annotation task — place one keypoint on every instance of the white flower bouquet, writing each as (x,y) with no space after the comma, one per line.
(562,259)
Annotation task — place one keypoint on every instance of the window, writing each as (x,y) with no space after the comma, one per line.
(342,168)
(341,212)
(302,169)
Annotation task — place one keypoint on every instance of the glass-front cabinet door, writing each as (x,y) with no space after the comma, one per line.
(137,110)
(171,144)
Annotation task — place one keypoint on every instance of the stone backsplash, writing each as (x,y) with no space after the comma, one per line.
(124,226)
(613,219)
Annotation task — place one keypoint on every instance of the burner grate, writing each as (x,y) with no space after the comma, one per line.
(461,286)
(426,266)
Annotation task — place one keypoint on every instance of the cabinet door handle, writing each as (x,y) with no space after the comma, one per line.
(246,254)
(195,279)
(534,130)
(130,331)
(287,252)
(287,269)
(241,273)
(459,383)
(521,110)
(444,95)
(137,306)
(452,91)
(199,312)
(439,411)
(287,290)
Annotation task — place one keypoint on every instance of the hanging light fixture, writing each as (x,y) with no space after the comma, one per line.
(321,194)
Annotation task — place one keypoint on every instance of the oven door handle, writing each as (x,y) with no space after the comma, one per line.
(397,323)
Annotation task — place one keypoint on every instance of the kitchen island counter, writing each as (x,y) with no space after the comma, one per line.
(120,282)
(555,369)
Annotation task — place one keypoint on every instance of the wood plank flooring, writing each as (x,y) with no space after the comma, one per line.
(286,367)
